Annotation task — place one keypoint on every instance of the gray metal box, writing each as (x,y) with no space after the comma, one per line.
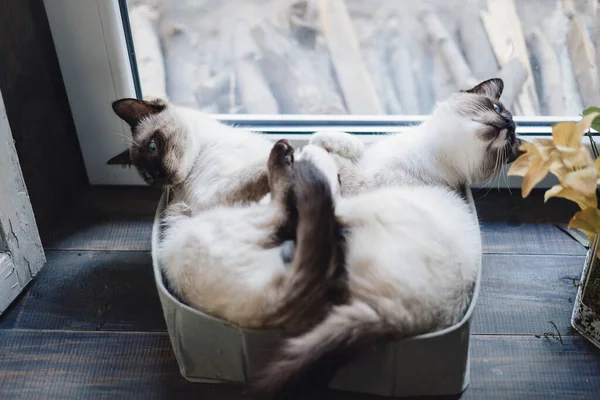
(210,350)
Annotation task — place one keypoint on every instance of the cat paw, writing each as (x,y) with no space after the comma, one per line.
(282,155)
(340,143)
(280,169)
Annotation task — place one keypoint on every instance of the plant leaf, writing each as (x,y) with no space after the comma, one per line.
(596,121)
(587,221)
(576,158)
(582,181)
(530,165)
(545,147)
(538,170)
(568,193)
(567,135)
(521,165)
(562,134)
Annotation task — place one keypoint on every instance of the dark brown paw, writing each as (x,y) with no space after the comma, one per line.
(281,160)
(282,155)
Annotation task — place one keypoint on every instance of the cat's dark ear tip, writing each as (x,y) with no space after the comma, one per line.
(116,105)
(497,81)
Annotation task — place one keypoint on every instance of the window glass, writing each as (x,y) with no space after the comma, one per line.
(359,57)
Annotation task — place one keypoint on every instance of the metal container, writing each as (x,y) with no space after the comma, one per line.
(211,350)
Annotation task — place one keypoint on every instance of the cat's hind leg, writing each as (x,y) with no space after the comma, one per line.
(281,160)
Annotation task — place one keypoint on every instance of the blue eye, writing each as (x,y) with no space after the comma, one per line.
(152,147)
(497,108)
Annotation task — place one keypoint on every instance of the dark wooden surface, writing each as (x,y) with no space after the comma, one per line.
(90,326)
(38,110)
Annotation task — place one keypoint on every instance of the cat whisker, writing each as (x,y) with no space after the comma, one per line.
(506,156)
(128,139)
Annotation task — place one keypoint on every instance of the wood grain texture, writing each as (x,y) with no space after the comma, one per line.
(119,365)
(90,291)
(81,330)
(121,219)
(508,206)
(517,238)
(116,291)
(514,367)
(107,219)
(521,294)
(38,110)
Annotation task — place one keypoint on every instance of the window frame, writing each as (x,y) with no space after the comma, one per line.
(97,59)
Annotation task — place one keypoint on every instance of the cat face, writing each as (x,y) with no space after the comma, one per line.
(158,140)
(480,131)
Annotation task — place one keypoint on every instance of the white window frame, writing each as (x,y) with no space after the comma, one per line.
(92,50)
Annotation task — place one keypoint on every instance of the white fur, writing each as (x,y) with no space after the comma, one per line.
(445,150)
(413,245)
(412,253)
(217,261)
(220,164)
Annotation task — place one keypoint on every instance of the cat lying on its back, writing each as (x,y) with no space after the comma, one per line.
(202,161)
(228,262)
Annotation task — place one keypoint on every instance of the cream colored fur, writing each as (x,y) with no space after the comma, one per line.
(216,164)
(447,150)
(413,243)
(218,261)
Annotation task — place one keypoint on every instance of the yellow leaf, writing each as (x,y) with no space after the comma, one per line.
(531,165)
(568,193)
(582,181)
(587,221)
(545,147)
(520,166)
(567,135)
(576,158)
(562,133)
(586,123)
(536,173)
(557,167)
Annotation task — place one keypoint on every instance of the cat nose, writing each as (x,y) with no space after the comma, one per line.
(511,126)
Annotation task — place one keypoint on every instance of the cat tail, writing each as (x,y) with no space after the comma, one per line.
(309,361)
(315,269)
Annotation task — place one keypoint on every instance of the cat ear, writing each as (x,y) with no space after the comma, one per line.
(121,159)
(491,88)
(133,110)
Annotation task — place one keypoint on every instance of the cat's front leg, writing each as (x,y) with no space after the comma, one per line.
(340,143)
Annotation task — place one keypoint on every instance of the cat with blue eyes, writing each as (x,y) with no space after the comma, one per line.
(201,161)
(411,246)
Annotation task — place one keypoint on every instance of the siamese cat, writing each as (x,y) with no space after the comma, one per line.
(410,248)
(412,240)
(230,261)
(203,162)
(467,139)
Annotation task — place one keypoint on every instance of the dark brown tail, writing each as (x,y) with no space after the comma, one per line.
(309,361)
(317,268)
